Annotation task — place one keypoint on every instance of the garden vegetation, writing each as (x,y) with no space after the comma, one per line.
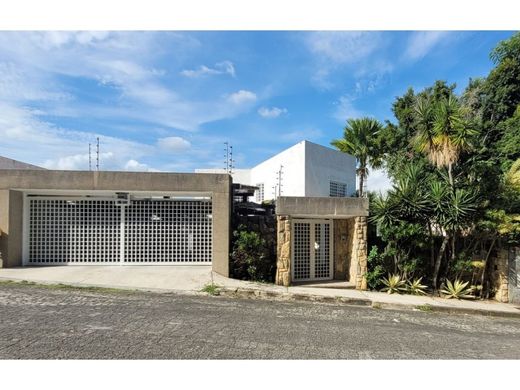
(454,161)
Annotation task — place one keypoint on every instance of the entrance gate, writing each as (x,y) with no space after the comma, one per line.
(312,250)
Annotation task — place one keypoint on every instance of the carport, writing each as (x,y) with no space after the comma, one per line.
(114,218)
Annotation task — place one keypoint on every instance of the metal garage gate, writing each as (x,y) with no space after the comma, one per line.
(107,230)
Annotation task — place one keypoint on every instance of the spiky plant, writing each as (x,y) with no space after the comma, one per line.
(457,289)
(416,288)
(394,284)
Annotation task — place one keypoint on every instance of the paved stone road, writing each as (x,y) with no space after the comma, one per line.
(38,322)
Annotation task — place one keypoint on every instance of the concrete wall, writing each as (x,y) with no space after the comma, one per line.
(309,207)
(293,172)
(323,165)
(308,169)
(14,182)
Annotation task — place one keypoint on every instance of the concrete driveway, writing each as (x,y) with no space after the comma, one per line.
(153,278)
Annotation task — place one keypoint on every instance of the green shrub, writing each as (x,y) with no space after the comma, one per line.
(394,284)
(457,289)
(415,287)
(375,269)
(251,258)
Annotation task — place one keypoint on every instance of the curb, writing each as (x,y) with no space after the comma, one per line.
(252,293)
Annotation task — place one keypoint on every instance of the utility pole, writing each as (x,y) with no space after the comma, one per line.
(97,154)
(89,157)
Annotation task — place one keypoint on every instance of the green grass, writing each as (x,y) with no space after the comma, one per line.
(425,308)
(61,286)
(211,289)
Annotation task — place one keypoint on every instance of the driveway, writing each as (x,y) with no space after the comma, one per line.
(147,277)
(50,323)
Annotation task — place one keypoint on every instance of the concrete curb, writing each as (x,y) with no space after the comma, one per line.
(264,294)
(252,293)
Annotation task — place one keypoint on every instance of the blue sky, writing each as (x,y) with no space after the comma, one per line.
(169,100)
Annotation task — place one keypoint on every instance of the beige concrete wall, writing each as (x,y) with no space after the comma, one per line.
(326,207)
(14,182)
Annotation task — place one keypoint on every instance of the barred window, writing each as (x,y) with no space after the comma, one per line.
(337,189)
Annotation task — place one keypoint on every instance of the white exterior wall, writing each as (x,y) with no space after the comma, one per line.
(307,170)
(324,165)
(293,172)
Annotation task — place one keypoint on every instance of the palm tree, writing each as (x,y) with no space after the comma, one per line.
(442,132)
(359,140)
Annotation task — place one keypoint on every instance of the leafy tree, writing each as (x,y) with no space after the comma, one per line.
(442,133)
(359,140)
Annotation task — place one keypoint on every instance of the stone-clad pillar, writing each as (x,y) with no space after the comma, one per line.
(283,251)
(360,251)
(499,275)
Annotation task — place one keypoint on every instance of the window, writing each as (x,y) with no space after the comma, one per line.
(337,189)
(260,193)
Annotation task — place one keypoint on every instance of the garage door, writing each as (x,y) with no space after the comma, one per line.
(104,230)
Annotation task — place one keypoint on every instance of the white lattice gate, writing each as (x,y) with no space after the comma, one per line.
(312,250)
(101,230)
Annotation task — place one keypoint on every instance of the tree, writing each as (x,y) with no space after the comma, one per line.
(442,132)
(360,140)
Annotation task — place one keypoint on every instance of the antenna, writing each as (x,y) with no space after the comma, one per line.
(89,157)
(231,161)
(97,154)
(228,158)
(277,188)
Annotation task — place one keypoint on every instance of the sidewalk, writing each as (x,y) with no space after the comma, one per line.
(191,280)
(231,287)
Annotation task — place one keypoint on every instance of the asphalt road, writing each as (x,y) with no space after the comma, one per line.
(45,323)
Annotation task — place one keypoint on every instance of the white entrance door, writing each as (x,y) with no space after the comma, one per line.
(311,250)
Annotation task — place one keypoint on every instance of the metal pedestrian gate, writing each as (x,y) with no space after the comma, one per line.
(311,250)
(110,230)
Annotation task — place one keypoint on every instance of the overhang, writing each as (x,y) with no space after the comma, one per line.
(321,207)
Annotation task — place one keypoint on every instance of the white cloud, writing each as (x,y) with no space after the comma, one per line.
(345,109)
(378,181)
(173,144)
(134,165)
(242,97)
(421,43)
(273,112)
(26,137)
(342,47)
(77,161)
(224,67)
(124,61)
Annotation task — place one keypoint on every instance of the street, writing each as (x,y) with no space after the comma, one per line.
(56,323)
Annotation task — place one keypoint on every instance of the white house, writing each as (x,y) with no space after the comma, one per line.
(305,169)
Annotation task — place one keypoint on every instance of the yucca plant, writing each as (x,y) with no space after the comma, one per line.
(416,288)
(394,284)
(457,289)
